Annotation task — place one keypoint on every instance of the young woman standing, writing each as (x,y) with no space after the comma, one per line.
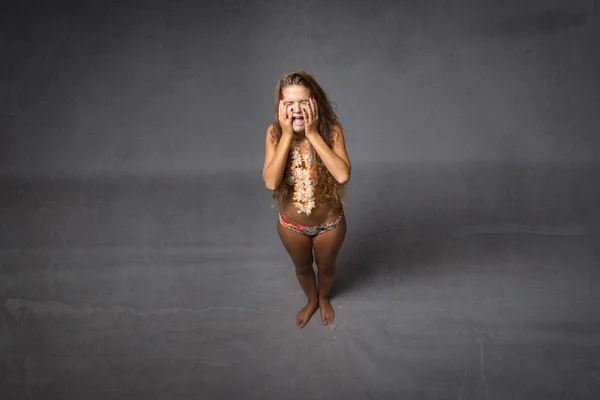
(307,167)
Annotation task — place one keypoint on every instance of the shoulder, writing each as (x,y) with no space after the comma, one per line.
(337,133)
(271,131)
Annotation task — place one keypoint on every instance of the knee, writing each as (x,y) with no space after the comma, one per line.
(326,268)
(304,269)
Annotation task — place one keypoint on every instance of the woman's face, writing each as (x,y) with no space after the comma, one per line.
(295,97)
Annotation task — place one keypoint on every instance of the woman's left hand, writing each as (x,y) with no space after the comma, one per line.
(311,117)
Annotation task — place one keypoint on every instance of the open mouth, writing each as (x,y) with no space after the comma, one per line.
(298,120)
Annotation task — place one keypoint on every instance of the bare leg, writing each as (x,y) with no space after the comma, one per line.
(327,246)
(299,247)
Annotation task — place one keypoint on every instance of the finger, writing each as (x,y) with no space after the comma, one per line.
(281,107)
(305,115)
(315,107)
(285,112)
(309,111)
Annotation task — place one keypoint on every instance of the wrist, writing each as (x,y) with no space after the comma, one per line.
(287,137)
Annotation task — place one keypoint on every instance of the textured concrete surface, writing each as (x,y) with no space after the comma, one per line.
(131,288)
(138,251)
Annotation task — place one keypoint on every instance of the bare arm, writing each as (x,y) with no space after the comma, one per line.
(336,160)
(275,159)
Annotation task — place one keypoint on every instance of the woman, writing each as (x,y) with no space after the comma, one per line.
(307,166)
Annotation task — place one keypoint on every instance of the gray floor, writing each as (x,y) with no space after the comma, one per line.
(455,282)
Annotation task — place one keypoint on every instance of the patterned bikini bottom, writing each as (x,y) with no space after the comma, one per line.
(311,230)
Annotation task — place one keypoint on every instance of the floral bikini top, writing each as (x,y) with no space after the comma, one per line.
(300,176)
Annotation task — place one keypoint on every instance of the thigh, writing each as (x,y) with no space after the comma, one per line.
(298,246)
(328,244)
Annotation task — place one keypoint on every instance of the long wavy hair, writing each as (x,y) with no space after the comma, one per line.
(326,188)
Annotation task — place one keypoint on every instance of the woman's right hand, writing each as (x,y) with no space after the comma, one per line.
(285,121)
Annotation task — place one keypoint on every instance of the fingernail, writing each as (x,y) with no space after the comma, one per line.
(281,98)
(292,110)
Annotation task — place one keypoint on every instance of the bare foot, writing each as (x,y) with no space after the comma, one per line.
(305,313)
(327,313)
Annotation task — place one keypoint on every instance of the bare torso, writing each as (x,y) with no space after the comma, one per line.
(322,213)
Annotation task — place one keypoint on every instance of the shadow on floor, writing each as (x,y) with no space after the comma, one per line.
(386,246)
(402,221)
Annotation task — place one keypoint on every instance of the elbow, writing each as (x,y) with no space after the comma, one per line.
(270,185)
(343,179)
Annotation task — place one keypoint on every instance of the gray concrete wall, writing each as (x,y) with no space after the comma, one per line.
(186,87)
